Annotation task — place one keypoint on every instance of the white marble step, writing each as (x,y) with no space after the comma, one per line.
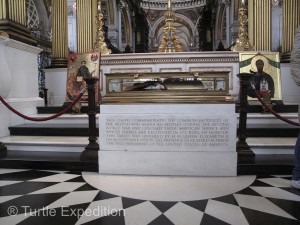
(271,145)
(265,120)
(268,119)
(63,119)
(77,144)
(45,143)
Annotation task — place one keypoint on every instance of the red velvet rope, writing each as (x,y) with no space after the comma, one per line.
(273,112)
(45,118)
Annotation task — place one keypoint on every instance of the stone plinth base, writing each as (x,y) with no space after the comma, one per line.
(168,139)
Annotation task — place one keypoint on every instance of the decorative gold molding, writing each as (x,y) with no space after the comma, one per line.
(128,70)
(169,60)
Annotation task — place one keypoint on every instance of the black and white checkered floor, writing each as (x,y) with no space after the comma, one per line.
(55,197)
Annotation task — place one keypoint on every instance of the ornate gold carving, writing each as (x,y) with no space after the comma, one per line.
(100,45)
(242,42)
(169,41)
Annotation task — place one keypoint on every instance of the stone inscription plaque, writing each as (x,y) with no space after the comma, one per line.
(144,132)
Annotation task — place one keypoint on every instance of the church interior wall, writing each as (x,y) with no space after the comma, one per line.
(56,78)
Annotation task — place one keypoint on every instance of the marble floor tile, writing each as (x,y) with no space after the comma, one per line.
(182,214)
(260,204)
(60,187)
(29,197)
(178,188)
(226,212)
(56,178)
(276,182)
(273,192)
(141,214)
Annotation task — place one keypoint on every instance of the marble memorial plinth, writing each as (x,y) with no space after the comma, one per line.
(168,139)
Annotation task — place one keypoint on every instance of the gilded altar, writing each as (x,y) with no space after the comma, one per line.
(156,66)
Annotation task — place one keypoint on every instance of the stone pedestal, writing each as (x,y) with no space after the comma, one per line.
(56,81)
(168,139)
(18,81)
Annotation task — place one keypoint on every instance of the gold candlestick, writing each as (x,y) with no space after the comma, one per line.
(242,42)
(100,45)
(169,41)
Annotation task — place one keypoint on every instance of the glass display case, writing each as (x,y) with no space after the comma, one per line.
(185,86)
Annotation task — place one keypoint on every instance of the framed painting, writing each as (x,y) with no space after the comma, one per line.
(265,67)
(81,66)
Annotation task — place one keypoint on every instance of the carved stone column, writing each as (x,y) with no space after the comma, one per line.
(59,33)
(260,13)
(86,27)
(13,20)
(291,20)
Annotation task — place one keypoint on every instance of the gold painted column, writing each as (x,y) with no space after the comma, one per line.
(260,32)
(86,11)
(13,20)
(59,33)
(291,20)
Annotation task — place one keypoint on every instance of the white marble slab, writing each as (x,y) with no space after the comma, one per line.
(168,163)
(168,132)
(168,139)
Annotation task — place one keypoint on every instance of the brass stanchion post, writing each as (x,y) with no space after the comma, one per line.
(91,150)
(245,154)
